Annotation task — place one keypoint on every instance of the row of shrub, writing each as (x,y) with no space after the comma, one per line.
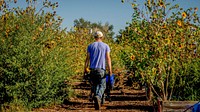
(40,60)
(34,69)
(162,47)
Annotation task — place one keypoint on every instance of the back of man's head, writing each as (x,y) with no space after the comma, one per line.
(98,34)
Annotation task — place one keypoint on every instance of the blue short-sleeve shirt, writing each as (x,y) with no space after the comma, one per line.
(97,51)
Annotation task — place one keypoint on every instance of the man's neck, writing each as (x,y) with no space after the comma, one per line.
(98,40)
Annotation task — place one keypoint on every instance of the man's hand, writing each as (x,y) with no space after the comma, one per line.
(110,73)
(87,70)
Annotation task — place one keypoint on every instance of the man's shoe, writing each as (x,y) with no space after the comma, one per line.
(97,104)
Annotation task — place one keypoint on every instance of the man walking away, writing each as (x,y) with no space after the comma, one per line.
(98,54)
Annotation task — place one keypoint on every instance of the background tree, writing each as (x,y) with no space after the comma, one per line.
(107,29)
(160,43)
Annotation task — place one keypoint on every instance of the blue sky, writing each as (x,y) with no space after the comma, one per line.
(112,11)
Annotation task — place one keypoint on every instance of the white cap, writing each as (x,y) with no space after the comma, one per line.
(98,34)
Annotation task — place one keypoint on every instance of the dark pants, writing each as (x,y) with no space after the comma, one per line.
(98,80)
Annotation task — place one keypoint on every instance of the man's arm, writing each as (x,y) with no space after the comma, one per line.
(109,62)
(87,60)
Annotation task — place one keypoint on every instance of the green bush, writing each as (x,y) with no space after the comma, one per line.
(161,49)
(188,81)
(34,66)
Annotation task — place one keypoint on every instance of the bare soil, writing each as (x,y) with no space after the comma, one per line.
(124,99)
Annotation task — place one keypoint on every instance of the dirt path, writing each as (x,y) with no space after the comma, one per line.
(123,100)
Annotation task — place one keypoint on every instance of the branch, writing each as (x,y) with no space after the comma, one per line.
(151,85)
